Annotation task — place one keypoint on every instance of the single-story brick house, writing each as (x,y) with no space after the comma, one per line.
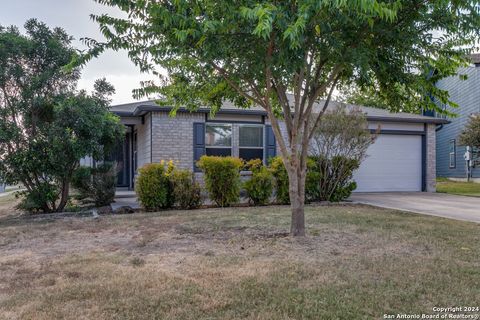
(401,159)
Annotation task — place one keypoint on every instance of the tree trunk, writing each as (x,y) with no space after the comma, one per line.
(296,181)
(64,196)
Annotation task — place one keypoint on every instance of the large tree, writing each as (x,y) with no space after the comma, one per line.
(46,127)
(256,52)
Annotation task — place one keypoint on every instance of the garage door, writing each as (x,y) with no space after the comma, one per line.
(394,163)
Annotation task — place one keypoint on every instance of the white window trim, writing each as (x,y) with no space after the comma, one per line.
(452,164)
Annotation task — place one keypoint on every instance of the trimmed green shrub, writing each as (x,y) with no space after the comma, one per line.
(97,184)
(281,180)
(312,185)
(222,178)
(335,183)
(260,186)
(153,187)
(280,175)
(186,190)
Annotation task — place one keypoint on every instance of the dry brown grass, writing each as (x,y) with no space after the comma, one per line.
(357,262)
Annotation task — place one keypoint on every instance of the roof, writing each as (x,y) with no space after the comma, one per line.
(475,57)
(138,109)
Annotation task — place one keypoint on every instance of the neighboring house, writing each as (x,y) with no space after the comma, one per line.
(466,93)
(401,159)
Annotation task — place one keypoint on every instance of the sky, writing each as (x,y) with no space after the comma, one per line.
(74,17)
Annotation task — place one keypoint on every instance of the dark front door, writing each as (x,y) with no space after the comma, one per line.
(122,157)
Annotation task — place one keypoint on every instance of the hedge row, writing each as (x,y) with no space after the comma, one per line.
(162,185)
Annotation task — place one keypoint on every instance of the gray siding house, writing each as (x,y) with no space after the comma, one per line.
(466,93)
(401,159)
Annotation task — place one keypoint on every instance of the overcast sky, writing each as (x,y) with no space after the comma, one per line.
(73,16)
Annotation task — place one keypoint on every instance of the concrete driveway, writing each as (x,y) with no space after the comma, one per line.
(435,204)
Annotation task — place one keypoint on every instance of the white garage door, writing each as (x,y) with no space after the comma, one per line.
(394,163)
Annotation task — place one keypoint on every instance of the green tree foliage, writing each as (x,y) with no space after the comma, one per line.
(371,97)
(254,52)
(471,134)
(45,126)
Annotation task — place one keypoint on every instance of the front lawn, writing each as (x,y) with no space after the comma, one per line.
(237,263)
(459,188)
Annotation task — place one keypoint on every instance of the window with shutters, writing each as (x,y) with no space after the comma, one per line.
(218,139)
(244,140)
(250,143)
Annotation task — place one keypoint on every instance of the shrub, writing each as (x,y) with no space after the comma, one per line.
(259,188)
(35,199)
(104,184)
(153,186)
(280,175)
(186,190)
(82,182)
(335,183)
(222,178)
(312,185)
(97,184)
(339,145)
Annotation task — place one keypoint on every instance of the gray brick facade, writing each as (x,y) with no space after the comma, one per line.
(431,168)
(172,138)
(143,141)
(161,137)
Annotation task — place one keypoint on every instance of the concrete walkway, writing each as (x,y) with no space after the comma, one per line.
(435,204)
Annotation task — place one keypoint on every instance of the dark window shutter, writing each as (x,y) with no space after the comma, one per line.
(270,143)
(198,143)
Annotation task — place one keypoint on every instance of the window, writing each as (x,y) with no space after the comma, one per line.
(250,142)
(218,139)
(452,154)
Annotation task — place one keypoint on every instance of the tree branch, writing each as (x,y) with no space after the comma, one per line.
(226,76)
(327,101)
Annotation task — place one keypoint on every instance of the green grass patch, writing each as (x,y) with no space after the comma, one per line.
(445,185)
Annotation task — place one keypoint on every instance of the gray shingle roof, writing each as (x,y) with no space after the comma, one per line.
(475,58)
(143,107)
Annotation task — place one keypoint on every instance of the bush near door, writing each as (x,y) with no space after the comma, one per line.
(153,187)
(97,184)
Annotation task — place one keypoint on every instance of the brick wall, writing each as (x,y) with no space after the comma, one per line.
(431,174)
(143,142)
(172,138)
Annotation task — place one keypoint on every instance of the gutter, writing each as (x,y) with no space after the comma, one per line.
(142,110)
